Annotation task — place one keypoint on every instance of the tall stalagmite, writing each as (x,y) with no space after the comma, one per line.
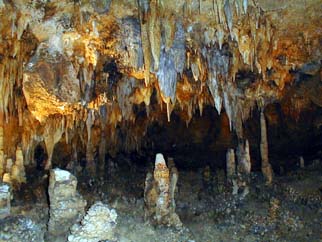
(266,166)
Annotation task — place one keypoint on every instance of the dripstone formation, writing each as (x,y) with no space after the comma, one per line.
(97,225)
(159,194)
(66,204)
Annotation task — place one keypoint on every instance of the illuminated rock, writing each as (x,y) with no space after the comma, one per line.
(66,204)
(159,194)
(97,225)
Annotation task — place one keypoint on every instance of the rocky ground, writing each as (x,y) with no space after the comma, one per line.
(289,210)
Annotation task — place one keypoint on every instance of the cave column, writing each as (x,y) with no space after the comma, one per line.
(266,166)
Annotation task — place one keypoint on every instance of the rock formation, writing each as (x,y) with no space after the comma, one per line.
(68,69)
(18,175)
(159,194)
(97,225)
(20,228)
(66,205)
(5,200)
(243,167)
(266,166)
(231,170)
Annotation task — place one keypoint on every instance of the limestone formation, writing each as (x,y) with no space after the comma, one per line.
(20,228)
(243,167)
(7,178)
(66,204)
(231,170)
(18,174)
(97,225)
(159,194)
(5,198)
(266,166)
(174,175)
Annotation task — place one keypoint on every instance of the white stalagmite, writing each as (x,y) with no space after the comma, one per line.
(266,166)
(159,194)
(162,178)
(18,174)
(66,204)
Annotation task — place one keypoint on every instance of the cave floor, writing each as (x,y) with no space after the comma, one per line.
(289,210)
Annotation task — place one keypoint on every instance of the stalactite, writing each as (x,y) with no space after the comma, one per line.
(155,33)
(266,166)
(172,62)
(54,130)
(144,11)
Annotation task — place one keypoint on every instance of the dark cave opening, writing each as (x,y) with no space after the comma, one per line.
(40,156)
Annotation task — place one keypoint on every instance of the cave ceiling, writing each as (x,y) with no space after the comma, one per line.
(69,66)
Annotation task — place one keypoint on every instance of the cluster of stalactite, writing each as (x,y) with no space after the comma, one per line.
(99,73)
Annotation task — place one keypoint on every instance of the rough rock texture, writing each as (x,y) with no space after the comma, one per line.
(266,166)
(18,174)
(97,225)
(20,228)
(159,194)
(5,200)
(131,63)
(66,205)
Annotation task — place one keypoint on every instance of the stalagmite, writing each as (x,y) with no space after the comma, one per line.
(6,178)
(98,224)
(162,177)
(89,146)
(66,204)
(231,170)
(243,167)
(18,174)
(9,164)
(158,194)
(5,198)
(174,175)
(266,166)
